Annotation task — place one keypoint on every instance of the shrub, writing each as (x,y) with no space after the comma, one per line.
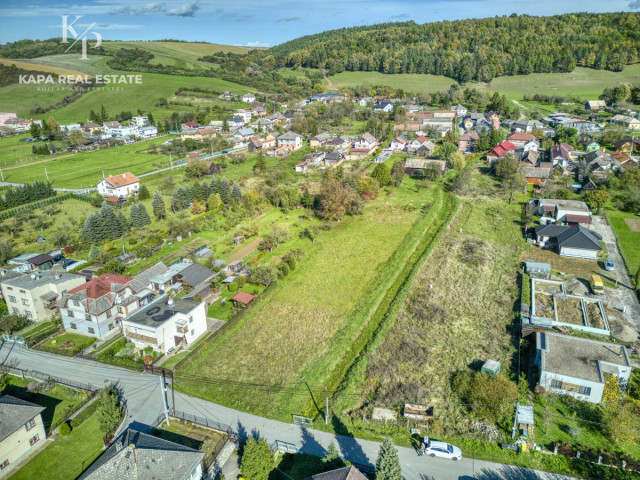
(132,241)
(233,287)
(290,261)
(64,429)
(241,281)
(283,268)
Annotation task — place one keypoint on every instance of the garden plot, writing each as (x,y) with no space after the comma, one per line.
(570,310)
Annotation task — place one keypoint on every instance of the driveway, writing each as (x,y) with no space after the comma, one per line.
(144,401)
(624,295)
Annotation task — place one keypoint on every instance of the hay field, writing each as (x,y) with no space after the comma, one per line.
(27,65)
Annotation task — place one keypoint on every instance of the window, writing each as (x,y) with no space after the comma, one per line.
(192,332)
(12,298)
(92,330)
(30,424)
(10,288)
(35,439)
(585,390)
(120,310)
(15,310)
(190,319)
(76,303)
(28,314)
(556,384)
(4,465)
(74,326)
(87,317)
(70,313)
(25,302)
(111,326)
(22,291)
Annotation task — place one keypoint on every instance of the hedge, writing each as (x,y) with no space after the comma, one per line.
(109,357)
(83,415)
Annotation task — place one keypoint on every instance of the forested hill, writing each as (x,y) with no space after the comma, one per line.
(475,49)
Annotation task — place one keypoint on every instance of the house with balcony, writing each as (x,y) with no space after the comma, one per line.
(34,295)
(166,323)
(577,367)
(121,185)
(21,431)
(97,307)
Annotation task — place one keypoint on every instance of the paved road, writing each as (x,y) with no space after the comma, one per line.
(143,396)
(624,294)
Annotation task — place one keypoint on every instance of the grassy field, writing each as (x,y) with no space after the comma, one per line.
(80,342)
(67,457)
(276,344)
(27,65)
(84,169)
(583,82)
(628,240)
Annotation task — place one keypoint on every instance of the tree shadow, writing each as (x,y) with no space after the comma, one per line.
(177,438)
(310,444)
(44,400)
(509,472)
(349,447)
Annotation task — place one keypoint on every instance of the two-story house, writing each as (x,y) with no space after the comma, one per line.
(21,431)
(96,307)
(290,140)
(33,295)
(367,143)
(166,323)
(121,185)
(467,142)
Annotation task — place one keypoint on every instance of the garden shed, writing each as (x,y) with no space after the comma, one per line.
(492,367)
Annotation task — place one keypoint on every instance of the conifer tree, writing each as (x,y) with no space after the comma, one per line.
(123,223)
(143,215)
(143,193)
(388,463)
(205,190)
(236,194)
(158,206)
(134,216)
(110,221)
(94,253)
(225,191)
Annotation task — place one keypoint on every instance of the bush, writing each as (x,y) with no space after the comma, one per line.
(64,429)
(233,287)
(290,260)
(132,241)
(241,281)
(283,268)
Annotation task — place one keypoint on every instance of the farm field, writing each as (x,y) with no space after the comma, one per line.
(13,151)
(583,82)
(28,65)
(276,344)
(629,240)
(83,170)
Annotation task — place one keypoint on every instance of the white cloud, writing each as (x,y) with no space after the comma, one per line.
(256,44)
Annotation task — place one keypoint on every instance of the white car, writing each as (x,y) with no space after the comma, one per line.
(442,449)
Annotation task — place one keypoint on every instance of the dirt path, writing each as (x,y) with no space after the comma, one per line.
(246,250)
(44,160)
(329,83)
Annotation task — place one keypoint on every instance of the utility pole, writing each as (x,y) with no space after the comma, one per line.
(326,406)
(46,174)
(1,174)
(103,173)
(170,161)
(163,392)
(173,391)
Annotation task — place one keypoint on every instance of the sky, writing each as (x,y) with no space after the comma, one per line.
(260,23)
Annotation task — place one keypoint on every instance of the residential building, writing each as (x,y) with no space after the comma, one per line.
(121,185)
(290,140)
(500,150)
(97,307)
(595,105)
(386,107)
(138,456)
(535,175)
(4,116)
(110,128)
(33,295)
(577,367)
(166,323)
(319,140)
(558,209)
(21,431)
(630,123)
(417,166)
(147,132)
(193,274)
(460,110)
(367,143)
(398,144)
(139,121)
(344,473)
(244,114)
(467,142)
(249,98)
(561,154)
(576,241)
(601,163)
(520,139)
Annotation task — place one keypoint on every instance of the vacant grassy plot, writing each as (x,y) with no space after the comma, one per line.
(26,65)
(85,169)
(308,317)
(92,65)
(22,98)
(628,240)
(583,82)
(67,457)
(67,343)
(411,82)
(13,151)
(59,401)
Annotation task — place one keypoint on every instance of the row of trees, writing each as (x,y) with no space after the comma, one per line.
(106,224)
(219,192)
(28,193)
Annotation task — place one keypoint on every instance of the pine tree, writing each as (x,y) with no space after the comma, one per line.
(134,216)
(257,460)
(307,199)
(158,206)
(110,221)
(143,215)
(196,191)
(143,193)
(236,194)
(104,116)
(150,119)
(123,224)
(225,191)
(332,458)
(205,190)
(388,463)
(94,253)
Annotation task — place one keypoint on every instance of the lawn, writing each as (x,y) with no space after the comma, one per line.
(628,240)
(216,310)
(14,152)
(305,326)
(59,401)
(55,344)
(583,82)
(66,457)
(86,169)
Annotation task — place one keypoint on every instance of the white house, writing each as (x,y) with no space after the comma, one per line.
(147,132)
(166,323)
(21,431)
(576,366)
(108,127)
(4,116)
(249,98)
(559,209)
(386,107)
(570,241)
(121,185)
(366,143)
(290,140)
(245,115)
(399,144)
(139,121)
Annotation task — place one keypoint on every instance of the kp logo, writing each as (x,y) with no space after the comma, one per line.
(68,28)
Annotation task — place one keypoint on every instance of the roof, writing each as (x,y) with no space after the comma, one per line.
(524,414)
(14,413)
(579,237)
(564,204)
(40,259)
(535,172)
(28,281)
(138,456)
(190,124)
(101,285)
(423,163)
(146,276)
(578,218)
(472,135)
(344,473)
(367,137)
(122,179)
(196,273)
(243,297)
(521,137)
(578,357)
(400,139)
(289,136)
(161,310)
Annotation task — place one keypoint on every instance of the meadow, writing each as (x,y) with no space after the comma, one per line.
(628,240)
(585,83)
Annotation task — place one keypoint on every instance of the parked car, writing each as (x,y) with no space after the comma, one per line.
(442,449)
(597,286)
(608,265)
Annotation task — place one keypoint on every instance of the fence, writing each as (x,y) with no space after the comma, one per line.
(45,377)
(41,203)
